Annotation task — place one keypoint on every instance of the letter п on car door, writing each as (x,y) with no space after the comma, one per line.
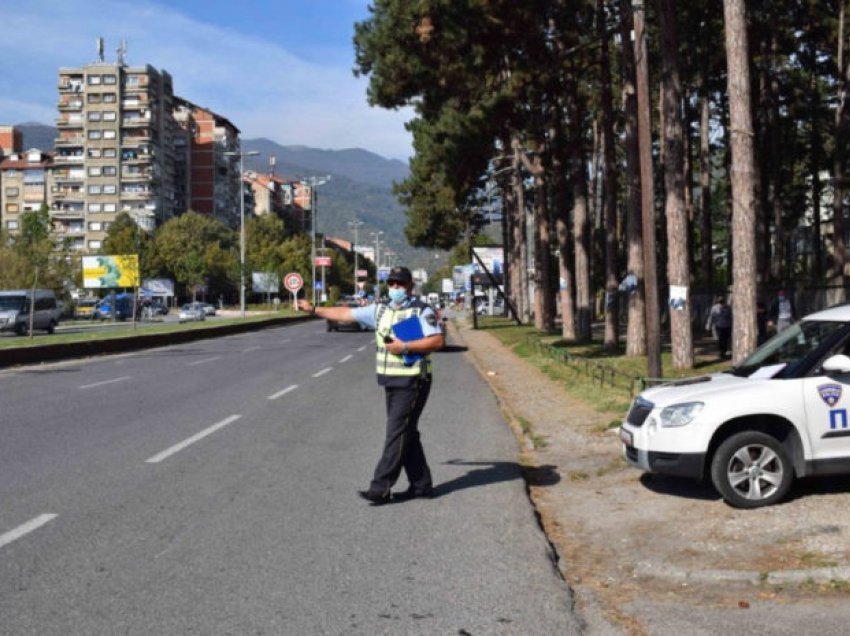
(826,399)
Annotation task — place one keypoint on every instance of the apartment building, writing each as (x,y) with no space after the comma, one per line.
(115,148)
(24,182)
(211,176)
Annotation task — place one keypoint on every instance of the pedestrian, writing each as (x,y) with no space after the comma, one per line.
(761,323)
(720,318)
(406,382)
(782,312)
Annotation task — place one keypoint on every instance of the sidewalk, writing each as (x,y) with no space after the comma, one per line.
(628,542)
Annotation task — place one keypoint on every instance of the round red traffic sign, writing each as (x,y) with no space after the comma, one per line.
(293,282)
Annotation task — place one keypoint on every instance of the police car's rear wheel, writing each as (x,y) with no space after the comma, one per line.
(751,469)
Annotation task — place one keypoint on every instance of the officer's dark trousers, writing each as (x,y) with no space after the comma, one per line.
(402,447)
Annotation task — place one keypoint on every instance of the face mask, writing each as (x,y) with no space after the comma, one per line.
(397,294)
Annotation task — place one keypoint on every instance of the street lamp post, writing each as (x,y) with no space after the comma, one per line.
(356,223)
(313,183)
(241,156)
(377,236)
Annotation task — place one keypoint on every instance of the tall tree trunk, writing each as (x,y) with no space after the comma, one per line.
(562,228)
(544,315)
(775,151)
(581,221)
(520,242)
(609,203)
(706,255)
(647,188)
(743,186)
(842,126)
(636,326)
(678,271)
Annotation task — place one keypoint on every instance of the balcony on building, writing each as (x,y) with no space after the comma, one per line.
(70,104)
(74,140)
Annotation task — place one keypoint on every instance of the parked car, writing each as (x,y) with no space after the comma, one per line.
(84,309)
(15,310)
(780,414)
(191,312)
(208,308)
(336,325)
(123,307)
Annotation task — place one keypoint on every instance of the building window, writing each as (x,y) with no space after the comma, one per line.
(94,207)
(12,192)
(110,115)
(94,79)
(95,245)
(109,98)
(11,225)
(94,115)
(95,134)
(110,171)
(109,189)
(109,79)
(95,226)
(93,98)
(95,171)
(95,189)
(109,134)
(110,152)
(94,153)
(12,207)
(108,207)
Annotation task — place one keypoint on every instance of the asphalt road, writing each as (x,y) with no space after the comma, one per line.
(211,488)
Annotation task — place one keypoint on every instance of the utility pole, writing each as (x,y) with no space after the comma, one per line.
(377,236)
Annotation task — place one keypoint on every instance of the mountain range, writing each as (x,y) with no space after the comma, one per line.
(360,187)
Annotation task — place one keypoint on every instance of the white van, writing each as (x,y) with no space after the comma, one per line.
(15,310)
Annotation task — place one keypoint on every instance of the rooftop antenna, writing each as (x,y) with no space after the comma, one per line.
(122,51)
(100,49)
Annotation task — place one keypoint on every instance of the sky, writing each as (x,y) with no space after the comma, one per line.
(280,69)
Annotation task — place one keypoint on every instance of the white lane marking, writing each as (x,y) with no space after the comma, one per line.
(322,372)
(250,349)
(168,452)
(362,348)
(112,381)
(346,358)
(275,396)
(26,528)
(203,361)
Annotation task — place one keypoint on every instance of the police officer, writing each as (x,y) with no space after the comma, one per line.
(406,383)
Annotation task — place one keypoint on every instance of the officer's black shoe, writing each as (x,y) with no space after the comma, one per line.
(414,493)
(376,498)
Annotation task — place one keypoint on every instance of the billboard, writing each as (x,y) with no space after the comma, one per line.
(265,282)
(110,272)
(492,256)
(158,286)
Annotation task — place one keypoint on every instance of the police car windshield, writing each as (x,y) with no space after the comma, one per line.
(790,346)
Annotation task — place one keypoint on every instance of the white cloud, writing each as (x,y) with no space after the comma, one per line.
(259,86)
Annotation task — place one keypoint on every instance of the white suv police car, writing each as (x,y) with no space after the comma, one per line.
(782,413)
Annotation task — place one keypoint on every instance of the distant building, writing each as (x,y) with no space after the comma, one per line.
(11,141)
(25,179)
(276,194)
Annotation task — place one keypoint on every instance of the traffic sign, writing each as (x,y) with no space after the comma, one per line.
(323,261)
(293,282)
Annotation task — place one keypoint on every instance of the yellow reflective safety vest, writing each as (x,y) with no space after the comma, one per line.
(390,367)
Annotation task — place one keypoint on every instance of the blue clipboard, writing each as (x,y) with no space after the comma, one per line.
(407,330)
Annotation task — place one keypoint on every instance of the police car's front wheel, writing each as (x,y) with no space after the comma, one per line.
(751,469)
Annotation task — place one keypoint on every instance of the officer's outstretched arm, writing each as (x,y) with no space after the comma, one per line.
(340,314)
